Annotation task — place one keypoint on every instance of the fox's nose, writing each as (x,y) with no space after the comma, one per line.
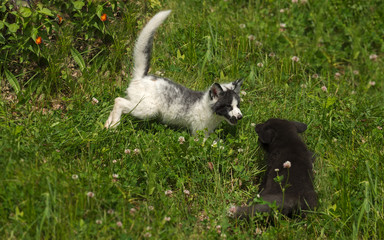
(239,117)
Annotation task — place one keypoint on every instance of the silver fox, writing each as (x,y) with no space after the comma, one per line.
(151,96)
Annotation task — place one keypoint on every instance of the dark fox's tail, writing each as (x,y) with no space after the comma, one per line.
(143,47)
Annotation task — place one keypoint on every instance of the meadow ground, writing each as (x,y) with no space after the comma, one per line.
(63,176)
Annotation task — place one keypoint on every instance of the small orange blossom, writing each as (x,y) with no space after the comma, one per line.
(60,18)
(103,17)
(38,40)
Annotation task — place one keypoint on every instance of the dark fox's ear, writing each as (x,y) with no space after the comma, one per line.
(266,136)
(215,91)
(237,84)
(301,127)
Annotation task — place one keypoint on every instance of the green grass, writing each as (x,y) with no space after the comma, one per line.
(49,135)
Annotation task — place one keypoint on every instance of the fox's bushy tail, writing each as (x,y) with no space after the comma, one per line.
(143,46)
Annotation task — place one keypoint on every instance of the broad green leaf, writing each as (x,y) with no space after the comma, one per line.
(78,58)
(46,11)
(25,12)
(34,33)
(78,5)
(99,10)
(1,25)
(13,27)
(12,80)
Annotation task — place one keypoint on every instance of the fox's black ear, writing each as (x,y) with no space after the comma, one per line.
(266,136)
(301,127)
(215,91)
(237,84)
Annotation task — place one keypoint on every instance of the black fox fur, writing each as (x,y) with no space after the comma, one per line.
(280,139)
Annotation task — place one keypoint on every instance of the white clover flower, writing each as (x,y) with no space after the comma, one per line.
(324,88)
(136,151)
(90,194)
(218,229)
(260,64)
(315,76)
(95,101)
(295,59)
(186,192)
(75,177)
(147,235)
(337,75)
(111,211)
(168,193)
(181,139)
(167,219)
(132,211)
(373,57)
(127,151)
(287,164)
(232,210)
(119,224)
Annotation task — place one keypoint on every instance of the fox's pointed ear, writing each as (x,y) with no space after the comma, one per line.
(215,91)
(301,127)
(237,84)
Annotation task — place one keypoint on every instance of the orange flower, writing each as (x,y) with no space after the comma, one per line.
(60,18)
(103,17)
(38,40)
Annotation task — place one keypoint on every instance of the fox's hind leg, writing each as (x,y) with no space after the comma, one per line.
(143,109)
